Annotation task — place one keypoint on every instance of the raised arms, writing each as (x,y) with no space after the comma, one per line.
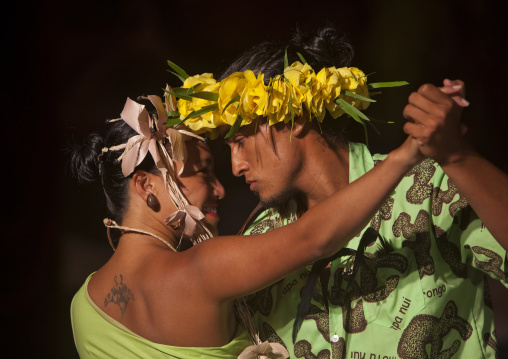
(234,266)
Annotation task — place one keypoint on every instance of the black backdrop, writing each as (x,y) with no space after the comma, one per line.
(69,65)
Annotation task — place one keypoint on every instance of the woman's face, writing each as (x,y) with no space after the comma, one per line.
(198,182)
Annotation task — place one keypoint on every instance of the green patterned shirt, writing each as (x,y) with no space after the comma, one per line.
(420,291)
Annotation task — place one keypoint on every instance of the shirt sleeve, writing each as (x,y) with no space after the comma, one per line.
(466,234)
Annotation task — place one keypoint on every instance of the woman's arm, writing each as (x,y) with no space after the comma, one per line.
(232,266)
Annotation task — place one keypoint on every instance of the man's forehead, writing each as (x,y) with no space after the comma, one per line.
(244,131)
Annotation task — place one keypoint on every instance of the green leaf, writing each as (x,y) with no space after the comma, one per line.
(211,96)
(301,58)
(356,114)
(351,109)
(381,121)
(366,135)
(292,117)
(173,114)
(235,127)
(179,71)
(180,77)
(320,129)
(363,98)
(286,62)
(349,112)
(374,127)
(202,111)
(179,95)
(233,100)
(191,89)
(173,122)
(377,85)
(185,90)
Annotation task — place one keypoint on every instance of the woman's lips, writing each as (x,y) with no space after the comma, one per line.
(210,211)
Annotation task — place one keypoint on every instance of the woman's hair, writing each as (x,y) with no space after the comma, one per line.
(322,48)
(90,164)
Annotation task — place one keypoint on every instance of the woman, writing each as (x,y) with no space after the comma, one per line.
(153,300)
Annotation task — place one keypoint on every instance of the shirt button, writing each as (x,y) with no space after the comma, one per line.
(335,338)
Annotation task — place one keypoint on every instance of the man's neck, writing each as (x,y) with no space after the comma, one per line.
(325,171)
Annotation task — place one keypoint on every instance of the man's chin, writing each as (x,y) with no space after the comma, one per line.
(278,200)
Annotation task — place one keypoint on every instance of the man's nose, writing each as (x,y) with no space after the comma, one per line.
(239,166)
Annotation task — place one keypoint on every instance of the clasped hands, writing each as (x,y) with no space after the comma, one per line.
(433,117)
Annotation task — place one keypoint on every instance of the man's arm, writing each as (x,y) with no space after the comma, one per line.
(433,116)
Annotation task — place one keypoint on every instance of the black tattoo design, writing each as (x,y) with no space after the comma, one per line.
(120,295)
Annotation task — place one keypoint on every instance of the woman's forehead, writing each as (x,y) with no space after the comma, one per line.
(198,151)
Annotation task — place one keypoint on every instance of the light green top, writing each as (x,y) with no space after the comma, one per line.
(97,335)
(422,296)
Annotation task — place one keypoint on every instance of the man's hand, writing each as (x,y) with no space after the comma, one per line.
(434,120)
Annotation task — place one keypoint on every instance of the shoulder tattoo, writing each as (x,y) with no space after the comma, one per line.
(120,295)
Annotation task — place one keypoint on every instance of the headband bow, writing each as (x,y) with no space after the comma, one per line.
(150,133)
(186,218)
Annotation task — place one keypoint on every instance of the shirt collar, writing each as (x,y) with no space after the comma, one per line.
(360,161)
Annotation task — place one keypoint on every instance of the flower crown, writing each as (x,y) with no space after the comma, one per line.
(205,104)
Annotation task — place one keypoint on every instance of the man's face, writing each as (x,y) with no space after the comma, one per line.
(269,161)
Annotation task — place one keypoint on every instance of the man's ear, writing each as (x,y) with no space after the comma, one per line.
(142,184)
(299,125)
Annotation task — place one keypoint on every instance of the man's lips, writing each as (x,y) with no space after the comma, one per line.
(252,185)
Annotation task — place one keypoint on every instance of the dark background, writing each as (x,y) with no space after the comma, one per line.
(69,65)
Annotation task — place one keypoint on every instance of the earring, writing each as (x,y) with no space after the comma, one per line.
(152,202)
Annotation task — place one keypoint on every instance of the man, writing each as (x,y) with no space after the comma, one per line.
(421,290)
(415,290)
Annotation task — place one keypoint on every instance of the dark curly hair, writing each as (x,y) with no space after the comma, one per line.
(89,164)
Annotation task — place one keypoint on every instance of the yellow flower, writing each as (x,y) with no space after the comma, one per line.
(327,91)
(210,119)
(299,88)
(203,79)
(277,109)
(254,97)
(362,89)
(228,90)
(301,78)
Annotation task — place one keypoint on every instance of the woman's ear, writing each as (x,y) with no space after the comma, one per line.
(146,184)
(142,184)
